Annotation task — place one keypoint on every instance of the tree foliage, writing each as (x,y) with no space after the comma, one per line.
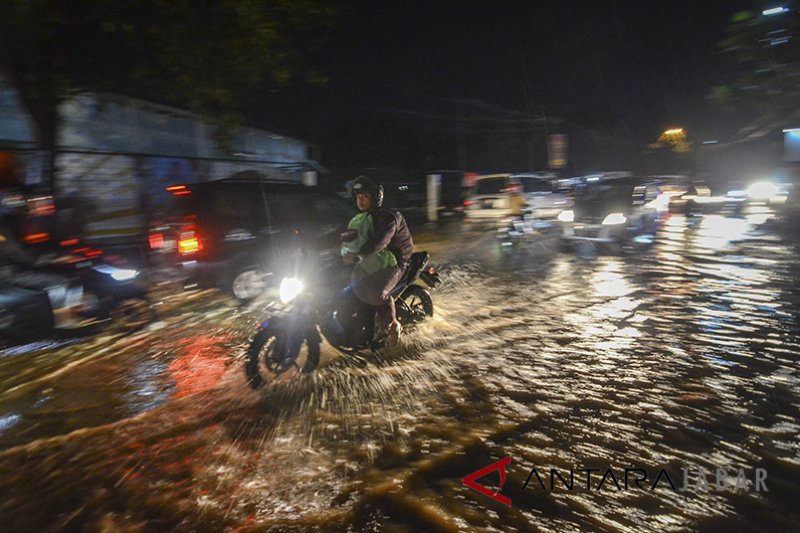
(213,57)
(764,52)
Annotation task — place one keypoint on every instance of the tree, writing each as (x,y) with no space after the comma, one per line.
(764,50)
(214,57)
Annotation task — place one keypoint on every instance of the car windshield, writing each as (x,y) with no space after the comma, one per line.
(604,197)
(490,185)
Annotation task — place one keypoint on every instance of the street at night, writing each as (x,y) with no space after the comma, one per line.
(679,356)
(358,266)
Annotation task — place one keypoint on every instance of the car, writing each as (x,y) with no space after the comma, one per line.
(451,193)
(488,198)
(695,200)
(233,233)
(766,192)
(612,210)
(542,196)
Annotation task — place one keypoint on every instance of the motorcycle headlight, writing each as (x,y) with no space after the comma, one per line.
(614,219)
(119,274)
(568,215)
(289,289)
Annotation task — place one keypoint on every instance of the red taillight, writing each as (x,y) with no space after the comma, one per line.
(69,242)
(467,203)
(188,241)
(179,190)
(36,238)
(156,240)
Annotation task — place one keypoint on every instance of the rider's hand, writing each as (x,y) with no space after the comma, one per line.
(350,258)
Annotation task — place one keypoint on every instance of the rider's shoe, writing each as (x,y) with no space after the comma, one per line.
(393,333)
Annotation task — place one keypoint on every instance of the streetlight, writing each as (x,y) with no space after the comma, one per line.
(677,138)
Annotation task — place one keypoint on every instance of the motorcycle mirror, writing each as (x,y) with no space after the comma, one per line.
(348,235)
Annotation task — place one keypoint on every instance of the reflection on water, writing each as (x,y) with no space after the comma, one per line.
(684,356)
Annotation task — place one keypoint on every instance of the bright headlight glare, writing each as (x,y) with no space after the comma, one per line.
(119,274)
(763,190)
(568,215)
(124,274)
(289,289)
(614,218)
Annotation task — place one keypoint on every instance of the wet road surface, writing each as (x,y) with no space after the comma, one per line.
(682,356)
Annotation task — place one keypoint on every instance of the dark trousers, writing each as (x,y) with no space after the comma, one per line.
(375,290)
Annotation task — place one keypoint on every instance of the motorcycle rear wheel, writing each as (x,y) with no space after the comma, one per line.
(132,314)
(267,357)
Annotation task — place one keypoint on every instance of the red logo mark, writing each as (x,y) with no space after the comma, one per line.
(500,466)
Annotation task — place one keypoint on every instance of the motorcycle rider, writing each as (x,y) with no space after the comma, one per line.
(381,230)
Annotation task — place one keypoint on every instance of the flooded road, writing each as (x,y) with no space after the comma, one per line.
(681,358)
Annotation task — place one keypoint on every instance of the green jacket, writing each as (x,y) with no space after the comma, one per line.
(362,223)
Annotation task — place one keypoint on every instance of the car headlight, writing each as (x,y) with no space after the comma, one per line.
(614,219)
(763,190)
(289,289)
(568,215)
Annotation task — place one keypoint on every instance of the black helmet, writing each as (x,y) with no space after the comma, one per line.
(365,185)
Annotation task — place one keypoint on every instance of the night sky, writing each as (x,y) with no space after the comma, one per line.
(631,68)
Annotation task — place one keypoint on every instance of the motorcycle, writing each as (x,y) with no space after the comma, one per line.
(323,309)
(67,288)
(512,230)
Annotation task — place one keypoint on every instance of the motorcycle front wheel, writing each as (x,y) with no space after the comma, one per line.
(417,304)
(272,352)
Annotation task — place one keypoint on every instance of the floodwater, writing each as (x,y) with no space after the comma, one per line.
(679,357)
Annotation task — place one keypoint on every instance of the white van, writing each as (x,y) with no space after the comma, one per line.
(488,198)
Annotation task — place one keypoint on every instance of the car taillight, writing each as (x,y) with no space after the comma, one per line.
(36,238)
(156,240)
(467,203)
(188,241)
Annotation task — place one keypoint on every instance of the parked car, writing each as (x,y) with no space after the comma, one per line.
(233,233)
(488,199)
(612,210)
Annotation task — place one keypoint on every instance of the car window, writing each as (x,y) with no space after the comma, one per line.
(238,206)
(490,185)
(536,185)
(612,192)
(308,209)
